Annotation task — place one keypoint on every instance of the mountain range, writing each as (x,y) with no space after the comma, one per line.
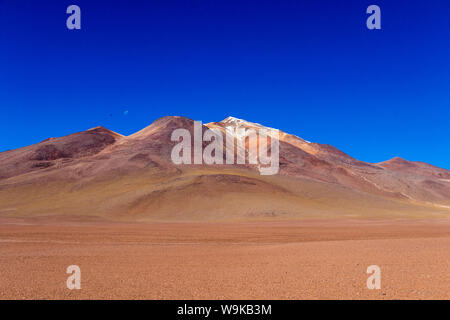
(100,174)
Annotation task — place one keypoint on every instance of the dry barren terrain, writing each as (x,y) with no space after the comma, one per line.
(309,259)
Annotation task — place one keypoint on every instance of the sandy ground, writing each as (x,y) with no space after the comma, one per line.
(312,259)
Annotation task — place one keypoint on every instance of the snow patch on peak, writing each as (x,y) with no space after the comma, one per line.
(233,120)
(236,122)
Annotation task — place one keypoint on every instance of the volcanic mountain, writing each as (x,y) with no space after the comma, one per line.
(103,175)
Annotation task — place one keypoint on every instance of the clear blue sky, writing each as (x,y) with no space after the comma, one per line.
(310,68)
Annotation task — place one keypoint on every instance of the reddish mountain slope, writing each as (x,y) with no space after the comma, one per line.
(415,168)
(54,152)
(101,173)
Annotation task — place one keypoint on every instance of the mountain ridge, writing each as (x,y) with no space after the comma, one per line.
(133,178)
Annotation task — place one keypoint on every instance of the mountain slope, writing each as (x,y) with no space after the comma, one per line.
(53,152)
(103,174)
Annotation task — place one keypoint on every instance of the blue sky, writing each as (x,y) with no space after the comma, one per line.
(310,68)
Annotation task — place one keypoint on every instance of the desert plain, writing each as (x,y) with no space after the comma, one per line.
(308,259)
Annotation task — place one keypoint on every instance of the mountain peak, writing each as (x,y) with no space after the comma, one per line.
(100,129)
(233,121)
(166,123)
(231,118)
(397,160)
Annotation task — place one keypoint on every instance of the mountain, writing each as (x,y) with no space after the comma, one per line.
(415,168)
(54,152)
(104,175)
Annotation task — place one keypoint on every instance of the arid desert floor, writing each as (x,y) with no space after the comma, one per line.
(308,259)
